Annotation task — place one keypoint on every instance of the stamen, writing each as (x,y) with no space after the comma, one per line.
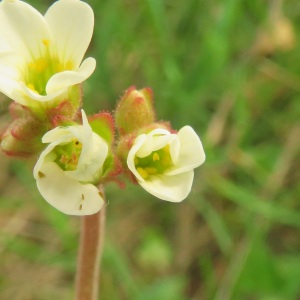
(40,65)
(80,207)
(74,158)
(151,170)
(143,172)
(64,159)
(82,196)
(155,156)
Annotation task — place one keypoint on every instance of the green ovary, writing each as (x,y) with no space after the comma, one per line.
(39,71)
(67,155)
(155,163)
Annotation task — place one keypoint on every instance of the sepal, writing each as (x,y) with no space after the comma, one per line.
(103,124)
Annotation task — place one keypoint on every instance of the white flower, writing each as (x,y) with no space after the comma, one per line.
(40,56)
(69,165)
(163,163)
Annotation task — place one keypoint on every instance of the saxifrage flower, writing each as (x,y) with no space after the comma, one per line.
(68,168)
(40,56)
(163,162)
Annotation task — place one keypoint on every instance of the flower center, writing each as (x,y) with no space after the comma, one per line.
(39,71)
(155,163)
(67,155)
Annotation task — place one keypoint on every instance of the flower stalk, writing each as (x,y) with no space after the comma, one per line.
(89,256)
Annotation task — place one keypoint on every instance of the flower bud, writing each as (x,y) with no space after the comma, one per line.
(22,137)
(135,110)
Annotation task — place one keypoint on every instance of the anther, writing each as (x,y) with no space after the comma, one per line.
(151,170)
(143,172)
(155,157)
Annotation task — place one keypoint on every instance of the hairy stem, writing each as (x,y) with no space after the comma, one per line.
(90,250)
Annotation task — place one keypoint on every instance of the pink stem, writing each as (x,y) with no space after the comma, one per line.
(90,250)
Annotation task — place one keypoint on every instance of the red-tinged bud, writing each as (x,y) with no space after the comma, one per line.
(17,110)
(15,148)
(135,110)
(22,137)
(25,128)
(64,111)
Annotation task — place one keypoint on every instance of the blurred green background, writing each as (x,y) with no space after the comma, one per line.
(231,70)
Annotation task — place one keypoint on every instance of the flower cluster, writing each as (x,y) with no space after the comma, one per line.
(41,70)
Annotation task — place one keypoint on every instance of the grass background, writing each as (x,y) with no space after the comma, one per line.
(231,70)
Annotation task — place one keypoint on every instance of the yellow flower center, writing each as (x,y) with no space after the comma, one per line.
(155,163)
(67,155)
(39,71)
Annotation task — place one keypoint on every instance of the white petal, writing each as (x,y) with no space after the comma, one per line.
(160,141)
(132,153)
(59,133)
(170,188)
(34,99)
(174,148)
(93,154)
(145,149)
(155,140)
(9,86)
(67,194)
(65,79)
(10,65)
(45,156)
(91,160)
(71,23)
(23,28)
(191,154)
